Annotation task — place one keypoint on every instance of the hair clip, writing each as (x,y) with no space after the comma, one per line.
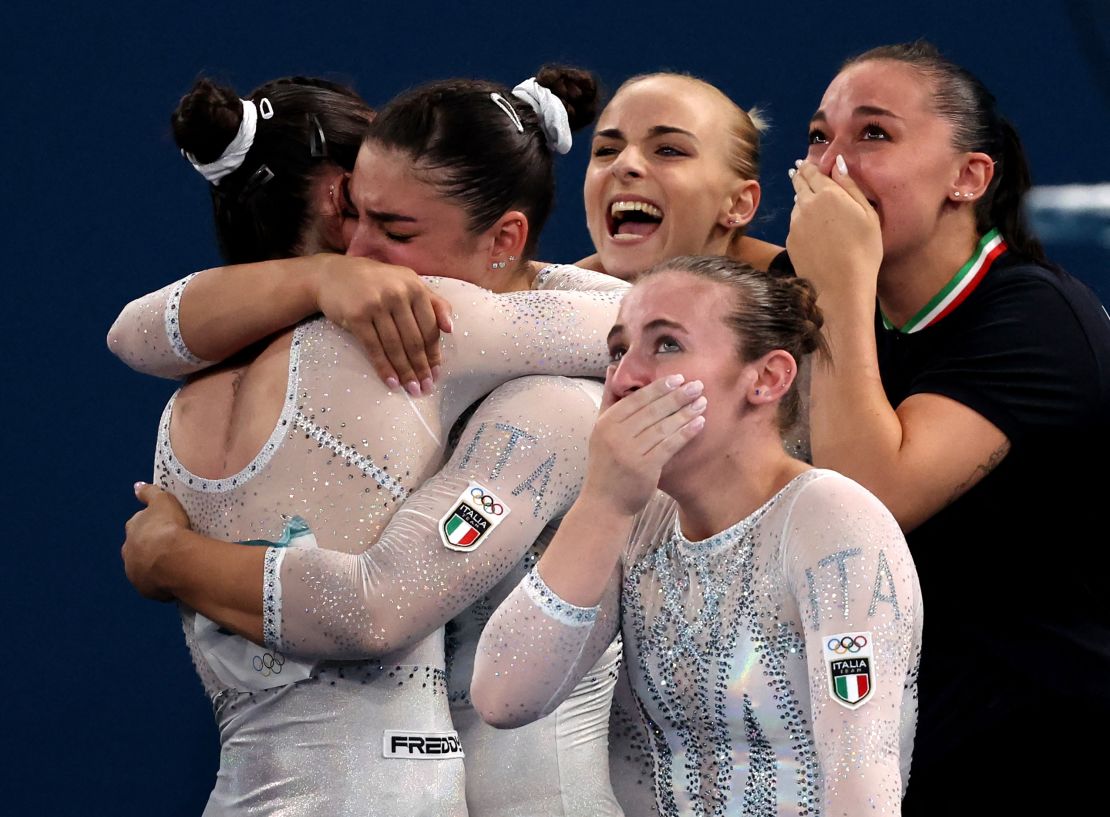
(265,108)
(317,142)
(507,107)
(258,179)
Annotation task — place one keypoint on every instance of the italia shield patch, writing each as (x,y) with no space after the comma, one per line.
(851,668)
(475,514)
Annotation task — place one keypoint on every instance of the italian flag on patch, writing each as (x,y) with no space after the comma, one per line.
(849,658)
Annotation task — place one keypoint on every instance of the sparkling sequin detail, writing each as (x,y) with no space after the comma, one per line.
(173,323)
(548,600)
(722,657)
(260,460)
(271,597)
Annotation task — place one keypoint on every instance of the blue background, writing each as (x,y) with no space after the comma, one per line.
(103,713)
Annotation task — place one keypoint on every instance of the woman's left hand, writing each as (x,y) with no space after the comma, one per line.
(835,236)
(151,533)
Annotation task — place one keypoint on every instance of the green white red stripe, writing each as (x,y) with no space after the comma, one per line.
(852,688)
(956,291)
(460,532)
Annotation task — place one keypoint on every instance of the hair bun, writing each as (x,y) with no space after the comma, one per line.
(577,88)
(206,120)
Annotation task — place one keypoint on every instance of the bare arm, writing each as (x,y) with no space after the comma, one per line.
(916,457)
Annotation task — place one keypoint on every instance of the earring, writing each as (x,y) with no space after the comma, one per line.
(512,258)
(956,194)
(733,221)
(757,392)
(499,265)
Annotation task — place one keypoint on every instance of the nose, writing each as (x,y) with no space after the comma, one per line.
(629,164)
(362,242)
(627,375)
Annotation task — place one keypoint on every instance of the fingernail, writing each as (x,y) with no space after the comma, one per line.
(138,486)
(697,422)
(841,165)
(799,162)
(699,404)
(392,383)
(674,380)
(450,325)
(435,371)
(413,388)
(693,387)
(426,385)
(791,173)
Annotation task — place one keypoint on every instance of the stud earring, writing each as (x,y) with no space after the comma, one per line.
(499,265)
(956,194)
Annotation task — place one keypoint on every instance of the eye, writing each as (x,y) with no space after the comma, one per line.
(667,345)
(602,151)
(670,150)
(615,354)
(817,137)
(398,237)
(872,132)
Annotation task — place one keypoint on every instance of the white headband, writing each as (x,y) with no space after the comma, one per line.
(554,120)
(234,154)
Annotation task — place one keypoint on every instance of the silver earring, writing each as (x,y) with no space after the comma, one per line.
(512,258)
(499,265)
(956,194)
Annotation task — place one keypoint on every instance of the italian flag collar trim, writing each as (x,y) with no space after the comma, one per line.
(953,293)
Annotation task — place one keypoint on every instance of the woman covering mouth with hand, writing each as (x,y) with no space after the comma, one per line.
(971,393)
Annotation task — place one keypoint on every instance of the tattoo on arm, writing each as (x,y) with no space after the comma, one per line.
(980,471)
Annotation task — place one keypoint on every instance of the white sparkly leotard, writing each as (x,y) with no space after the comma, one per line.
(343,456)
(774,664)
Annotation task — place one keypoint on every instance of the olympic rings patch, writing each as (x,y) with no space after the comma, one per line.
(488,503)
(471,518)
(268,663)
(846,644)
(850,666)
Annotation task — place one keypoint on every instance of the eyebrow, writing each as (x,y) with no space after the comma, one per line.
(862,110)
(656,130)
(658,323)
(378,215)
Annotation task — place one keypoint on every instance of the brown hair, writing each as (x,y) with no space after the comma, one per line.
(769,312)
(472,150)
(262,207)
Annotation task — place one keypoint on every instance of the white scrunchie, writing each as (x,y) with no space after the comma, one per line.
(232,157)
(552,113)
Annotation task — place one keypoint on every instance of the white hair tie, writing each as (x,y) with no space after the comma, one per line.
(234,154)
(554,120)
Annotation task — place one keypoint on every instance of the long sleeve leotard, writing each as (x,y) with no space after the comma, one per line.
(356,736)
(772,664)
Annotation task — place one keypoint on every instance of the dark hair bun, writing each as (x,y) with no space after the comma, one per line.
(577,88)
(206,120)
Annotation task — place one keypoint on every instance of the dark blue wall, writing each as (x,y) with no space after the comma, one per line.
(107,714)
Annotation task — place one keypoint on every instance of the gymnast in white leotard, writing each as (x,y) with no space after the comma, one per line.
(332,416)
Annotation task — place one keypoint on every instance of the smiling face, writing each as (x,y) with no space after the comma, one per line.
(660,182)
(878,115)
(674,323)
(405,220)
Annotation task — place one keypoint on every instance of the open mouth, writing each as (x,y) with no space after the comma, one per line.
(633,220)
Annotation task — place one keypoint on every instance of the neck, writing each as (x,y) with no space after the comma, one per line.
(753,475)
(908,281)
(511,279)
